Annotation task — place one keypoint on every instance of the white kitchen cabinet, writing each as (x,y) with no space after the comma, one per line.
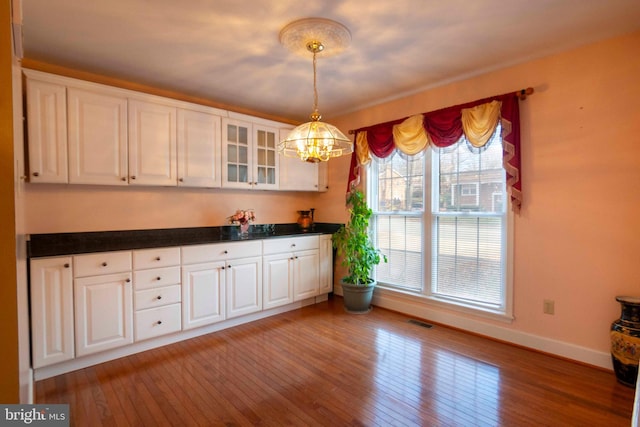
(103,301)
(199,149)
(244,286)
(221,280)
(265,169)
(291,270)
(237,154)
(104,312)
(157,292)
(52,337)
(203,294)
(326,264)
(47,131)
(152,143)
(249,155)
(97,136)
(306,274)
(278,280)
(297,175)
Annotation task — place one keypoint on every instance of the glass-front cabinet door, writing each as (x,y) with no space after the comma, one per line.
(237,154)
(266,158)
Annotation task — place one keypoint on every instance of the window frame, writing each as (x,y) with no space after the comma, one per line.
(426,295)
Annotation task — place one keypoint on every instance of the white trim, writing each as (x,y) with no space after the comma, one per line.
(425,310)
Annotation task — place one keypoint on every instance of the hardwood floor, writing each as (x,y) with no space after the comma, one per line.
(319,366)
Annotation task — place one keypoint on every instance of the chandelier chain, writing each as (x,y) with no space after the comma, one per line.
(315,89)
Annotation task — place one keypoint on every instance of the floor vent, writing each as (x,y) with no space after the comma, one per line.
(421,323)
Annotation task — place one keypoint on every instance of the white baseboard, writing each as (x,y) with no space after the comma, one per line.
(423,310)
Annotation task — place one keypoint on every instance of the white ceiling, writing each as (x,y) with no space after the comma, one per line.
(228,51)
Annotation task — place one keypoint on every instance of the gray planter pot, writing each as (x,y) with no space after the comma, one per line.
(357,299)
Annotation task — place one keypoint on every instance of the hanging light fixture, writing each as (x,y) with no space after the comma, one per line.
(315,141)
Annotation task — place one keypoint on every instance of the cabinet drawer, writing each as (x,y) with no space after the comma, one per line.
(156,297)
(158,321)
(220,251)
(101,263)
(154,258)
(290,244)
(156,277)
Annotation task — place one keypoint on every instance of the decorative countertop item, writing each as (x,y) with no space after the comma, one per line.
(243,217)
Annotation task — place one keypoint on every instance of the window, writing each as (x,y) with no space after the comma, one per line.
(442,221)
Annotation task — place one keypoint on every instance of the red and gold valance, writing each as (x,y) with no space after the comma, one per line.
(476,120)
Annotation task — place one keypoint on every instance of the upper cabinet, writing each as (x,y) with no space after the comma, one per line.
(87,133)
(47,130)
(249,155)
(97,137)
(199,144)
(152,143)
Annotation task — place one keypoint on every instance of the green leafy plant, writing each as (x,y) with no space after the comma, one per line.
(354,245)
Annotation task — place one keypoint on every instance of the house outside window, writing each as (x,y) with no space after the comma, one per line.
(441,220)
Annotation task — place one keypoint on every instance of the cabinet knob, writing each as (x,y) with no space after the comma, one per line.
(158,278)
(159,322)
(124,178)
(226,252)
(159,297)
(104,264)
(36,174)
(181,179)
(157,258)
(296,257)
(293,245)
(127,280)
(229,266)
(66,265)
(222,267)
(133,177)
(291,258)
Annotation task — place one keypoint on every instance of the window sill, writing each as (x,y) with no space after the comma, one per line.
(383,291)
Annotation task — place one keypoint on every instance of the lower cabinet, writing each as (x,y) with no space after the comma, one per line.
(243,286)
(89,303)
(202,294)
(103,312)
(52,336)
(291,270)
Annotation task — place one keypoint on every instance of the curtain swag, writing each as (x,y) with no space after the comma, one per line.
(477,121)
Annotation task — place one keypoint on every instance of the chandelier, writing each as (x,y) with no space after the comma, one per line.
(315,141)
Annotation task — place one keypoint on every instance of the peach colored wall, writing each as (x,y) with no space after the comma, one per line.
(53,208)
(577,239)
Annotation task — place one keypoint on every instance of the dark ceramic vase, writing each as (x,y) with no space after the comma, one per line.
(625,341)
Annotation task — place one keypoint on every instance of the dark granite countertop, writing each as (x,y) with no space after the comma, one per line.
(55,244)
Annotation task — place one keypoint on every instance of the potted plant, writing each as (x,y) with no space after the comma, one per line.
(359,255)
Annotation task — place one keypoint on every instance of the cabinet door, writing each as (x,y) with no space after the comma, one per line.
(306,274)
(47,132)
(152,144)
(51,311)
(97,137)
(203,294)
(326,264)
(237,154)
(198,149)
(104,312)
(266,158)
(278,280)
(244,286)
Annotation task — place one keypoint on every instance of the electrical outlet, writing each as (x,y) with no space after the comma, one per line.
(548,306)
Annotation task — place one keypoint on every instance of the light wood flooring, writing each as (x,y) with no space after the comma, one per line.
(319,366)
